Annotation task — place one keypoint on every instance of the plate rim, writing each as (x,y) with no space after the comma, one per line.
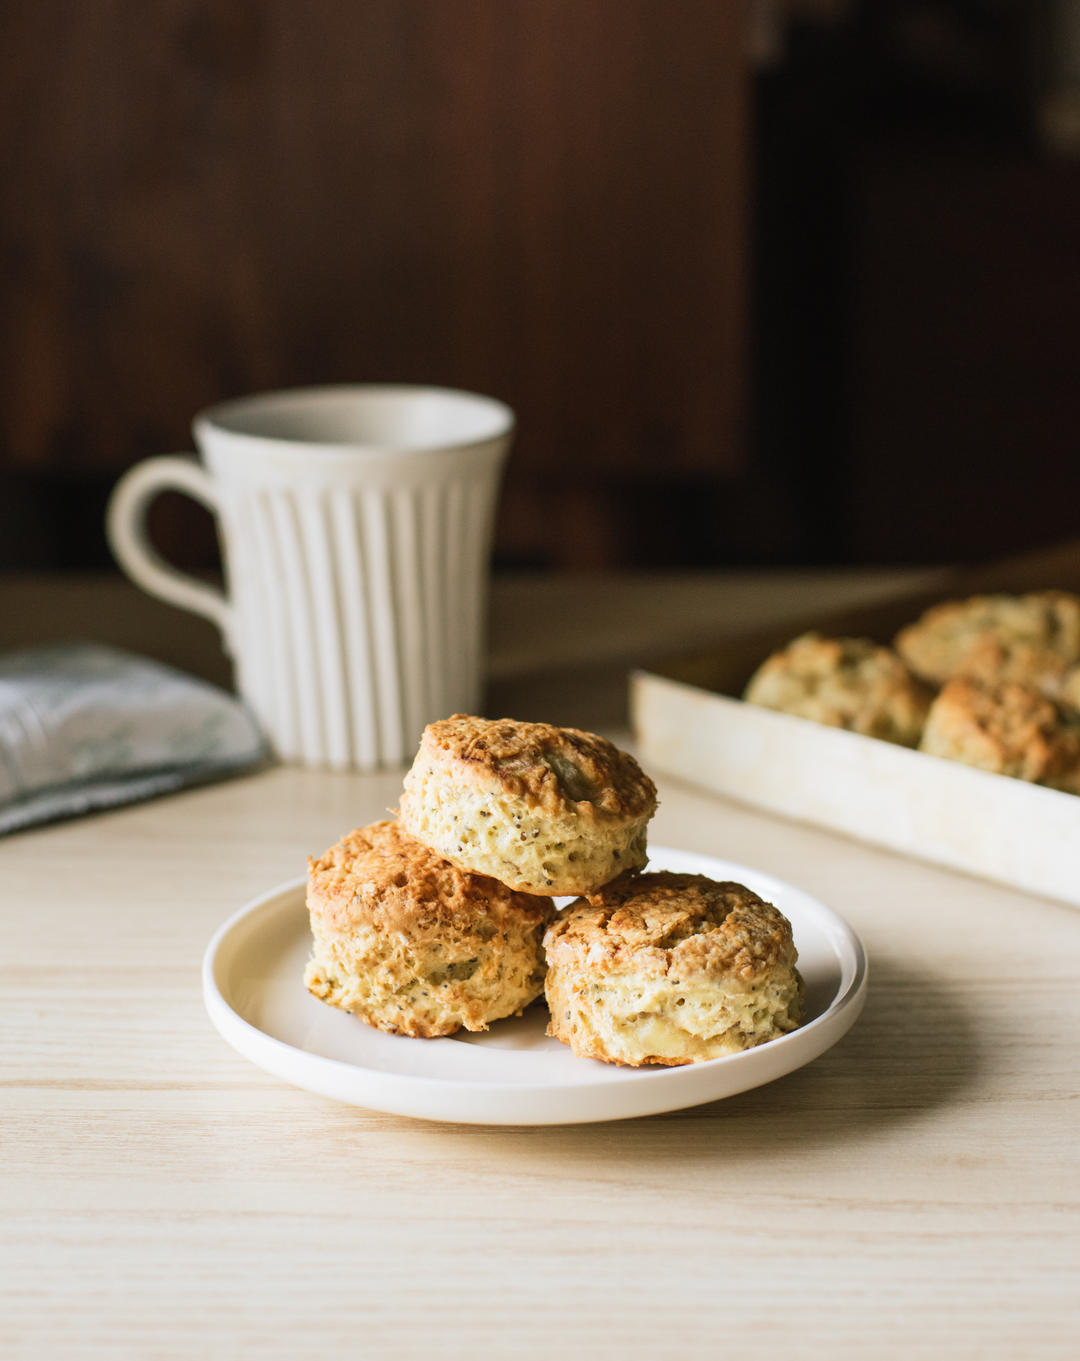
(256,1044)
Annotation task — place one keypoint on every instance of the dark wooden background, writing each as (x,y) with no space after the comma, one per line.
(539,199)
(822,307)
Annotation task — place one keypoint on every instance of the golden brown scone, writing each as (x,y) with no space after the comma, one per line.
(1030,638)
(542,809)
(410,944)
(1010,729)
(845,682)
(670,969)
(1070,688)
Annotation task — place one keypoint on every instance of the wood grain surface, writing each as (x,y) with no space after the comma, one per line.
(915,1192)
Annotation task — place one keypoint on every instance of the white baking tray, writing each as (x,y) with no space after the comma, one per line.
(1004,829)
(688,723)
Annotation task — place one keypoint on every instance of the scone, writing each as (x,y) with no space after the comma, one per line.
(542,809)
(1030,638)
(993,661)
(670,969)
(411,944)
(1070,688)
(846,683)
(1010,729)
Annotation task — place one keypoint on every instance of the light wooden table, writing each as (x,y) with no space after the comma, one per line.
(913,1193)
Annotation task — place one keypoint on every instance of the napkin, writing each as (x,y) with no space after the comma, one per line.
(85,727)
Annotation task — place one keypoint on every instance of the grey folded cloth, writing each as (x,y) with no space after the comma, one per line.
(85,727)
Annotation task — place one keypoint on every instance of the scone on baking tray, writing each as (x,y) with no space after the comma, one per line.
(1007,728)
(846,683)
(543,809)
(670,969)
(412,944)
(1031,638)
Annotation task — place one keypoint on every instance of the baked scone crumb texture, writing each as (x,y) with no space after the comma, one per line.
(405,989)
(545,810)
(412,945)
(671,969)
(1028,638)
(850,683)
(1010,729)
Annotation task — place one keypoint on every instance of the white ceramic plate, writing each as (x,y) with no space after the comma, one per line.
(512,1074)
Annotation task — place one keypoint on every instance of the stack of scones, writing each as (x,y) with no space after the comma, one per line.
(992,681)
(446,919)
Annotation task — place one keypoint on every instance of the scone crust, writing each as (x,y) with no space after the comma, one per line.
(1031,639)
(850,683)
(545,767)
(704,967)
(543,809)
(380,876)
(414,945)
(1010,729)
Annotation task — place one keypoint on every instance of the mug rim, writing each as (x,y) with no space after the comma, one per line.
(212,417)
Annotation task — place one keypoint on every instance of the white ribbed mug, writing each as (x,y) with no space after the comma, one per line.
(355,525)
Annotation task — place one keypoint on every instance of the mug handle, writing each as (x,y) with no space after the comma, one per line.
(125,528)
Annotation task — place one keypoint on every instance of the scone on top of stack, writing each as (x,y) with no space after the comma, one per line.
(542,809)
(670,969)
(849,683)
